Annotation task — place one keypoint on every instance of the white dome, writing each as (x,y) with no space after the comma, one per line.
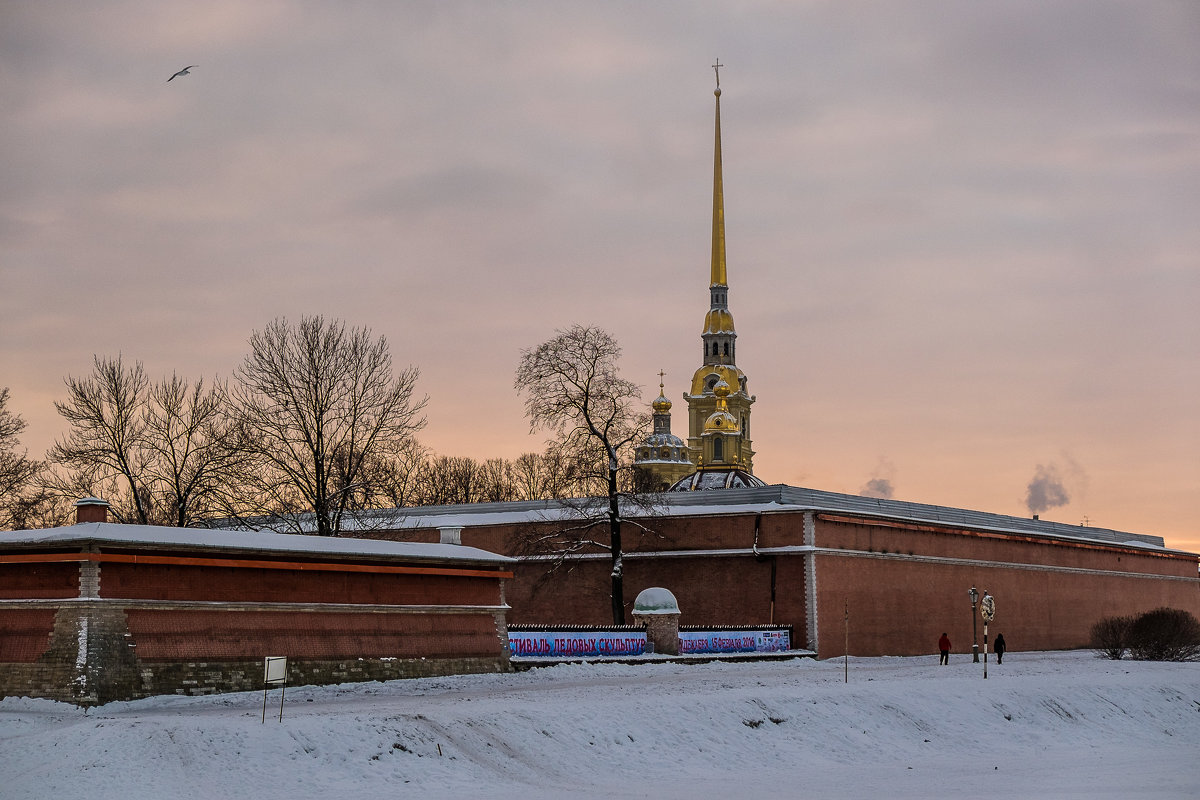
(655,600)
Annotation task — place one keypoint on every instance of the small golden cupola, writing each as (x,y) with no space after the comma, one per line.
(661,404)
(721,421)
(661,458)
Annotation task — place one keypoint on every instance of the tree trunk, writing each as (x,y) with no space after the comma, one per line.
(618,567)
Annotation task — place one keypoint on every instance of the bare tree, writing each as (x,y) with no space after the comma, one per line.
(316,403)
(528,476)
(103,453)
(543,476)
(450,480)
(18,473)
(572,389)
(496,481)
(191,440)
(159,453)
(392,478)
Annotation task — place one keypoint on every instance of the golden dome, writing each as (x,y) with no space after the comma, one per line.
(661,404)
(718,320)
(721,421)
(723,372)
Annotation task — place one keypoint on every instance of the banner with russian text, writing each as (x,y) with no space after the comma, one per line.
(750,641)
(559,644)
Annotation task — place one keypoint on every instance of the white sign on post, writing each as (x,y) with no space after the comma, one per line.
(275,670)
(274,674)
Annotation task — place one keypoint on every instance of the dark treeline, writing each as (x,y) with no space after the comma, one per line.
(314,421)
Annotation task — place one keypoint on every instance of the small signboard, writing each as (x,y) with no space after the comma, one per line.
(275,670)
(274,674)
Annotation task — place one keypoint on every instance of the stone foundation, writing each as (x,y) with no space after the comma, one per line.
(85,653)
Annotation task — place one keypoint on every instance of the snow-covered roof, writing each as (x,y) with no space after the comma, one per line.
(752,500)
(121,535)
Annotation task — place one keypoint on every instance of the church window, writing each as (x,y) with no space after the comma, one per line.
(727,348)
(718,449)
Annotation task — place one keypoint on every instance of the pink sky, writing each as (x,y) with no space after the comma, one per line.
(962,238)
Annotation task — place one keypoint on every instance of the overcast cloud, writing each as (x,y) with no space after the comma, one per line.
(962,237)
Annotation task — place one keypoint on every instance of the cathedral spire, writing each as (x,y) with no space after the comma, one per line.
(719,335)
(719,401)
(718,222)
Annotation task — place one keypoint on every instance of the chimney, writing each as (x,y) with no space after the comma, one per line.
(91,509)
(1035,516)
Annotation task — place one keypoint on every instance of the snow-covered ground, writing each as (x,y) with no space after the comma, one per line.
(1043,725)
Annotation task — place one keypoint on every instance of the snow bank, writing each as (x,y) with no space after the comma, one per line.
(1041,725)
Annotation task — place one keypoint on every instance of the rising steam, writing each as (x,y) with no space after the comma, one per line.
(880,485)
(1046,490)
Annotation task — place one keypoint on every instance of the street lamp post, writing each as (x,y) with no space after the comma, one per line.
(988,610)
(974,595)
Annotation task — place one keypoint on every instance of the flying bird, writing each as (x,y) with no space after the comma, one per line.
(183,71)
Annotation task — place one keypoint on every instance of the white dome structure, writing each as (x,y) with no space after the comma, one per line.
(655,600)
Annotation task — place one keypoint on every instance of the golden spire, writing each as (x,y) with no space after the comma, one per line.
(718,224)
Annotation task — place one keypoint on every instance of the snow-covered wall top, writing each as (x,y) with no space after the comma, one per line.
(754,500)
(109,533)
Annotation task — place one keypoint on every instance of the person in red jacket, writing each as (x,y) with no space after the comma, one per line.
(944,646)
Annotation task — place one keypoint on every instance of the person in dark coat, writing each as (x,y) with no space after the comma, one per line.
(1000,648)
(944,646)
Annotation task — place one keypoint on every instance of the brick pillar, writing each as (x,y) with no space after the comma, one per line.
(662,630)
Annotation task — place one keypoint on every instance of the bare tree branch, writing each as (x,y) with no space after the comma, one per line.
(105,445)
(316,403)
(18,473)
(159,453)
(572,390)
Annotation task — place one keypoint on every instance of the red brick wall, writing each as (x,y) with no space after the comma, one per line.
(187,635)
(710,591)
(168,582)
(900,606)
(953,543)
(25,634)
(21,581)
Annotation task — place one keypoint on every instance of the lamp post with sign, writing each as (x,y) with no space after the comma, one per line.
(987,608)
(974,595)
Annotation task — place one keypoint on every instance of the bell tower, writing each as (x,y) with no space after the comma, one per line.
(731,404)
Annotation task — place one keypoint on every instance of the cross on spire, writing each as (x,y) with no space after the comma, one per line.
(660,379)
(717,69)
